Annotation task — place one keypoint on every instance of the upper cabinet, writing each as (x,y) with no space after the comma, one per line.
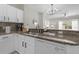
(10,14)
(19,16)
(3,12)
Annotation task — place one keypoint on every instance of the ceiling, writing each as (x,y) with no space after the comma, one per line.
(20,6)
(69,8)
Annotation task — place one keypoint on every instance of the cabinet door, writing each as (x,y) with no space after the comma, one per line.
(3,12)
(60,49)
(3,45)
(6,44)
(41,47)
(29,45)
(12,40)
(19,16)
(11,12)
(46,47)
(72,49)
(19,42)
(25,44)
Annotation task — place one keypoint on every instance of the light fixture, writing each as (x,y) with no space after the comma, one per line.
(53,11)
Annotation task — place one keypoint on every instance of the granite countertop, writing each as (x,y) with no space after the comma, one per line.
(63,40)
(64,30)
(54,39)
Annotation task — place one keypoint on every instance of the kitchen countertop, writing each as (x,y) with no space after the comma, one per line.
(53,39)
(64,30)
(67,40)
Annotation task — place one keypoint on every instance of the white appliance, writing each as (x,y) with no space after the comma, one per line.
(7,29)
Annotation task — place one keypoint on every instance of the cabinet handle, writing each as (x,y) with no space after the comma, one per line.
(17,19)
(8,18)
(4,17)
(22,43)
(25,45)
(4,37)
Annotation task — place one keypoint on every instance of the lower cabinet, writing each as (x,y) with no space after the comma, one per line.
(19,43)
(10,42)
(72,49)
(30,45)
(46,47)
(25,44)
(42,48)
(6,44)
(3,45)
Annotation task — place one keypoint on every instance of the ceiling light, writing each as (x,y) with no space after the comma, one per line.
(53,11)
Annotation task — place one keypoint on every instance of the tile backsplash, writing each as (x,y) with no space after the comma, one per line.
(4,24)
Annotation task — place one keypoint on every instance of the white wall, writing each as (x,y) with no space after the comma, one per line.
(40,17)
(20,6)
(29,15)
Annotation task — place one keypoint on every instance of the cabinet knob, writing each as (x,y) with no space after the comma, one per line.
(25,45)
(4,17)
(5,37)
(17,20)
(8,18)
(22,43)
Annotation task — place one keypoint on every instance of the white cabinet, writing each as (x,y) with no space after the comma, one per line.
(14,14)
(6,44)
(3,44)
(59,48)
(3,12)
(46,47)
(29,45)
(11,12)
(19,16)
(25,44)
(72,49)
(42,48)
(20,43)
(11,42)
